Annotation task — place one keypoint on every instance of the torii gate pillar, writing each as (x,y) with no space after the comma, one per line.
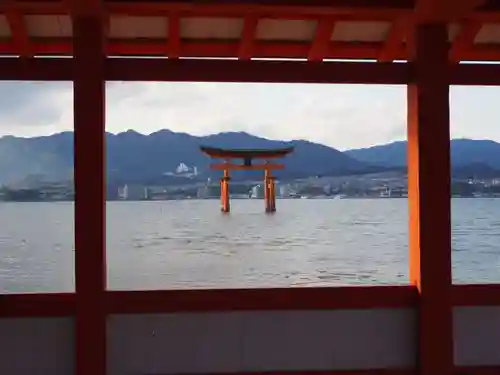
(224,192)
(269,192)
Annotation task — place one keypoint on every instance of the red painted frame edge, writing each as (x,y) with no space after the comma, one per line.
(165,301)
(262,299)
(477,370)
(393,371)
(476,295)
(192,70)
(458,370)
(37,305)
(203,70)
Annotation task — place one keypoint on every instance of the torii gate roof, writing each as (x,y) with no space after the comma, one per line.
(226,153)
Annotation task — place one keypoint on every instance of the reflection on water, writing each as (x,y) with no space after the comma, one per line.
(190,244)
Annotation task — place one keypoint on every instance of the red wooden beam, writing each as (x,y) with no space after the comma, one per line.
(492,16)
(255,71)
(476,295)
(349,297)
(123,69)
(444,10)
(483,52)
(37,305)
(154,10)
(119,69)
(201,48)
(301,9)
(343,4)
(392,49)
(35,7)
(320,47)
(247,37)
(106,23)
(275,8)
(478,370)
(174,35)
(284,50)
(47,69)
(475,75)
(19,34)
(261,299)
(464,40)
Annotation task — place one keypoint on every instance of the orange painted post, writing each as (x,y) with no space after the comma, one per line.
(273,186)
(225,206)
(266,190)
(90,194)
(429,197)
(221,182)
(271,206)
(269,192)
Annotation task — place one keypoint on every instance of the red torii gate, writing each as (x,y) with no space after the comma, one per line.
(248,155)
(430,36)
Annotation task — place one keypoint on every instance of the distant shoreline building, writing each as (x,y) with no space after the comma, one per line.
(133,193)
(257,192)
(183,170)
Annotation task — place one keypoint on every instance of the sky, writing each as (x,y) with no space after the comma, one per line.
(340,116)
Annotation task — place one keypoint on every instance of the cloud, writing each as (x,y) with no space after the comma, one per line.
(342,116)
(28,104)
(475,112)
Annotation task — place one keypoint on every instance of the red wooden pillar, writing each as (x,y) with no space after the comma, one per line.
(429,197)
(90,232)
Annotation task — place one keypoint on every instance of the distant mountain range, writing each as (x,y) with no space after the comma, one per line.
(136,158)
(468,157)
(463,152)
